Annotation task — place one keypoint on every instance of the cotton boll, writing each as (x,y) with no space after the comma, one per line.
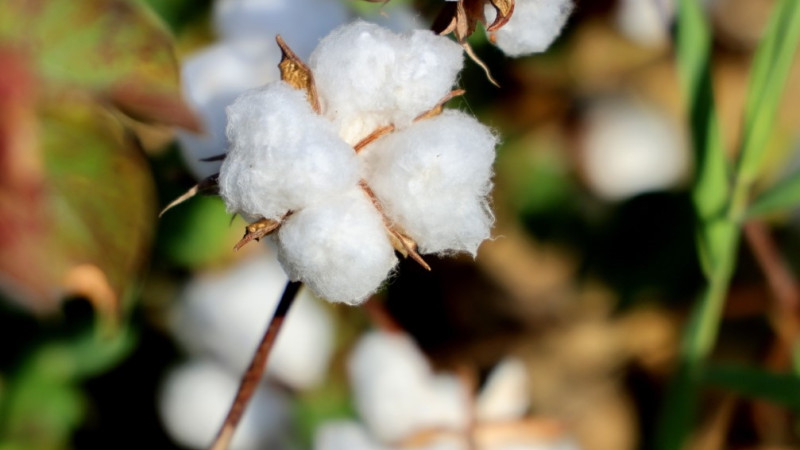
(282,155)
(630,148)
(506,394)
(367,76)
(645,22)
(396,16)
(433,179)
(339,248)
(345,435)
(396,392)
(533,26)
(224,315)
(559,444)
(195,398)
(300,22)
(212,79)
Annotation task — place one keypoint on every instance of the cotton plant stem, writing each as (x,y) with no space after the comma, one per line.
(252,377)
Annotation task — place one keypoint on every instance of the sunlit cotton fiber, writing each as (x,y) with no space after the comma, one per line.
(533,26)
(396,391)
(224,314)
(195,397)
(434,178)
(338,248)
(506,394)
(282,155)
(367,76)
(212,79)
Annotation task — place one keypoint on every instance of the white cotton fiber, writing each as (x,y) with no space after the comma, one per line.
(645,22)
(225,314)
(630,148)
(368,76)
(300,22)
(345,435)
(212,79)
(433,180)
(506,394)
(282,155)
(396,392)
(195,397)
(534,25)
(339,248)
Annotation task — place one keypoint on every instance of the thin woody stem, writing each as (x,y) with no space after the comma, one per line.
(252,377)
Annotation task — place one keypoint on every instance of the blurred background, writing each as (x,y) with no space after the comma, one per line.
(122,330)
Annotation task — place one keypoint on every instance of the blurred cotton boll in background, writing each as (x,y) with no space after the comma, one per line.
(396,391)
(246,57)
(505,395)
(629,148)
(223,315)
(645,22)
(533,27)
(195,397)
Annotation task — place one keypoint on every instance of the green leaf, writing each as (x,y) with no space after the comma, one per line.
(779,388)
(693,42)
(773,61)
(84,223)
(116,49)
(782,196)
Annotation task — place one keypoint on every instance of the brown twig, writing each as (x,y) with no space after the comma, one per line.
(252,377)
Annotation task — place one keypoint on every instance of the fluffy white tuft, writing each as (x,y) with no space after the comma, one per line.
(345,435)
(195,397)
(212,79)
(224,315)
(506,394)
(534,25)
(630,148)
(396,392)
(300,22)
(368,76)
(338,248)
(282,155)
(433,179)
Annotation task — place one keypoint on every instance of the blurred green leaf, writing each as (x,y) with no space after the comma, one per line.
(86,226)
(770,70)
(782,196)
(117,49)
(779,388)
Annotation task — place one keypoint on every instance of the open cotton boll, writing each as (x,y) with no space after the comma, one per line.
(506,394)
(339,248)
(367,76)
(212,79)
(345,435)
(396,392)
(195,397)
(300,22)
(645,22)
(282,155)
(225,314)
(534,25)
(433,179)
(630,148)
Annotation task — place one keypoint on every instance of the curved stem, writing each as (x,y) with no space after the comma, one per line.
(252,376)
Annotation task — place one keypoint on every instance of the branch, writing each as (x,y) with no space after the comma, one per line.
(252,377)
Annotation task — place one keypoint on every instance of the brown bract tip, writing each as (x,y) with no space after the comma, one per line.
(297,74)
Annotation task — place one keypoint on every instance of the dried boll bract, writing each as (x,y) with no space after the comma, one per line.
(305,157)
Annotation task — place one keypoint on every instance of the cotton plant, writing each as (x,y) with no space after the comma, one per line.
(222,315)
(352,157)
(244,57)
(404,403)
(195,396)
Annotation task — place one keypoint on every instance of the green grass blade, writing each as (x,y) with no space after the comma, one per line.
(779,388)
(769,73)
(782,196)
